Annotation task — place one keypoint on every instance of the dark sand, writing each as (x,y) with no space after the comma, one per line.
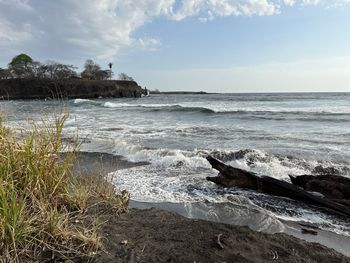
(155,235)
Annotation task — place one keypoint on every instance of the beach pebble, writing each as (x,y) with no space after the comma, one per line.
(124,242)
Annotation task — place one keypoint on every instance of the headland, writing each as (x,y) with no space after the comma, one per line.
(38,88)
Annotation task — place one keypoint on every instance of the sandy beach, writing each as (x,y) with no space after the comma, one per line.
(156,235)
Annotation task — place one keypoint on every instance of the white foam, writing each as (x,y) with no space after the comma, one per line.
(256,161)
(179,176)
(128,105)
(160,157)
(171,171)
(274,168)
(80,101)
(279,167)
(152,183)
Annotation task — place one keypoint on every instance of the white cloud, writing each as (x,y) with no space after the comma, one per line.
(10,34)
(149,43)
(311,2)
(338,3)
(208,9)
(15,33)
(289,2)
(324,3)
(96,28)
(18,4)
(101,28)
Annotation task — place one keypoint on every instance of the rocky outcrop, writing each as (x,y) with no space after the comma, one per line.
(69,88)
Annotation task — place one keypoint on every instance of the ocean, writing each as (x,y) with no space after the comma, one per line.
(277,134)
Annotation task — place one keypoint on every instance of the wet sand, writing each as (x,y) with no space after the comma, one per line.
(94,163)
(155,235)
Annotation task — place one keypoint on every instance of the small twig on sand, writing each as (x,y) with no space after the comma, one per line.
(308,231)
(218,242)
(274,255)
(143,249)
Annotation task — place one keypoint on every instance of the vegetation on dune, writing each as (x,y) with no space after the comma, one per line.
(43,206)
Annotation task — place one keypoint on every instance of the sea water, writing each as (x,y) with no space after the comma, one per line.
(271,134)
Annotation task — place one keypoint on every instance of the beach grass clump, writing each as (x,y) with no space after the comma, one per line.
(43,205)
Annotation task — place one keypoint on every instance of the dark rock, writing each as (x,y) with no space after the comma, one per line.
(68,88)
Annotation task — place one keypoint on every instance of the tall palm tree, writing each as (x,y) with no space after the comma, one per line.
(110,65)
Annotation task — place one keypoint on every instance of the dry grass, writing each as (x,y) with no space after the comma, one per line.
(42,204)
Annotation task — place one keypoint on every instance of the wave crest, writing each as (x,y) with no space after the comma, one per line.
(228,109)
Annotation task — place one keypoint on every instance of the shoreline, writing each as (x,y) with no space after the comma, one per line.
(92,163)
(155,235)
(291,228)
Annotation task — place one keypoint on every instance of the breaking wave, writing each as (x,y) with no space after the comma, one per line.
(179,177)
(217,108)
(335,114)
(231,109)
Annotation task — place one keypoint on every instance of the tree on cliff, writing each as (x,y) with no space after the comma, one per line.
(35,70)
(55,70)
(23,66)
(20,66)
(93,71)
(5,74)
(124,76)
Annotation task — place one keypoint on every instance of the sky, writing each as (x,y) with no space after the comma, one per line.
(190,45)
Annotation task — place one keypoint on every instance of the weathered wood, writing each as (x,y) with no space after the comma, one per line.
(331,186)
(230,176)
(235,177)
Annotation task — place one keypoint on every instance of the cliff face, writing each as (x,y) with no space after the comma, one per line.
(70,88)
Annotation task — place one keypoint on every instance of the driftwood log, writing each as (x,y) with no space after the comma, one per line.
(333,187)
(235,177)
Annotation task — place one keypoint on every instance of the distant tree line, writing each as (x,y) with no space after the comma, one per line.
(23,66)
